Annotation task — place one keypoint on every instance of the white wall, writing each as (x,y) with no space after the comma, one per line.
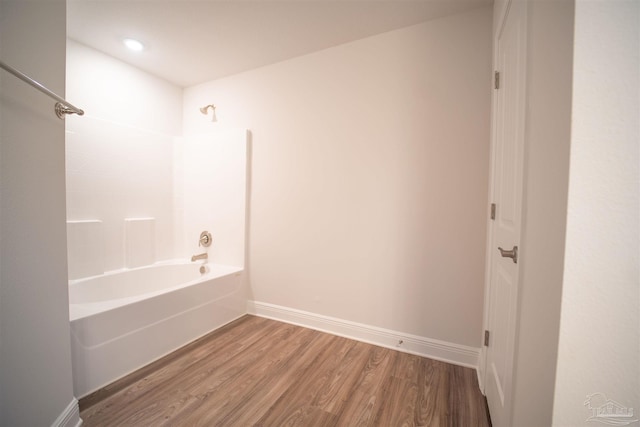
(120,153)
(599,350)
(369,176)
(35,359)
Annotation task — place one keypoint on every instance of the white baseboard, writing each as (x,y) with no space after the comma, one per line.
(434,349)
(70,417)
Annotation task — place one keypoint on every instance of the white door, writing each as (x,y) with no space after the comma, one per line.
(507,171)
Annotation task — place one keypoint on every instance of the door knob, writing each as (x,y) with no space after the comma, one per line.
(513,254)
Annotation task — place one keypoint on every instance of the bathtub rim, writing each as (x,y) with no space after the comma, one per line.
(78,311)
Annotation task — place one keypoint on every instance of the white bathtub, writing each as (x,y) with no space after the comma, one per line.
(123,320)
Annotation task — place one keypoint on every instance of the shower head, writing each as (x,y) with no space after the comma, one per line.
(205,110)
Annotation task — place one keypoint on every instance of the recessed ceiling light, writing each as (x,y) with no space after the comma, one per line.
(133,45)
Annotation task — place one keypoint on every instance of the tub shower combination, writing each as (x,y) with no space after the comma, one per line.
(130,302)
(121,321)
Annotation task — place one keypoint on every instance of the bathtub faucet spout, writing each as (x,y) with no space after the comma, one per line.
(201,256)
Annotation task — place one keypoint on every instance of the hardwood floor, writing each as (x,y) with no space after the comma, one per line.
(259,372)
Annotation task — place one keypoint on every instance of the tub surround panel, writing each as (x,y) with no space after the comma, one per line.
(85,248)
(214,190)
(119,161)
(115,172)
(139,241)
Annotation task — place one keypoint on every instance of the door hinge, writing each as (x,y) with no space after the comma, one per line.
(486,338)
(493,211)
(496,79)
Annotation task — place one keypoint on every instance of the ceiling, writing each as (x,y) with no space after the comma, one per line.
(191,42)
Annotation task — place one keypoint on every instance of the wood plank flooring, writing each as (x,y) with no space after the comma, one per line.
(260,372)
